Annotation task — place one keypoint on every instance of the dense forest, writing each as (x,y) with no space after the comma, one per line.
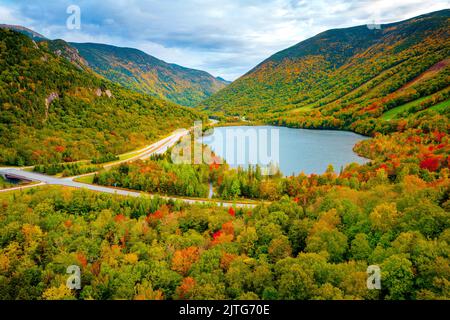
(158,175)
(52,111)
(309,236)
(314,247)
(313,240)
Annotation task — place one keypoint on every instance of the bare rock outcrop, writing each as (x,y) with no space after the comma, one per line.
(107,92)
(48,101)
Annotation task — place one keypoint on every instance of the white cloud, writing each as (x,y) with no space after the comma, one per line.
(9,16)
(224,37)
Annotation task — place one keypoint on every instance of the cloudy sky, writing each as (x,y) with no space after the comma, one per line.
(224,37)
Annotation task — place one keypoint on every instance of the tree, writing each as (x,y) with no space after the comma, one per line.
(262,278)
(328,292)
(279,248)
(296,283)
(235,190)
(146,292)
(238,277)
(431,163)
(247,240)
(183,259)
(384,217)
(332,242)
(426,217)
(298,232)
(58,293)
(397,277)
(186,289)
(360,248)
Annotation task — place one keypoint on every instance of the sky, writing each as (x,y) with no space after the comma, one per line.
(226,38)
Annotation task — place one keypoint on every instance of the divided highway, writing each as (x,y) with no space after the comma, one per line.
(156,148)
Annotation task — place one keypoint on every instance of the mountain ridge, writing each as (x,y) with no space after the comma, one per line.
(24,30)
(135,69)
(359,27)
(144,73)
(345,75)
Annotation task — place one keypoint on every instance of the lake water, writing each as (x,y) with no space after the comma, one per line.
(293,150)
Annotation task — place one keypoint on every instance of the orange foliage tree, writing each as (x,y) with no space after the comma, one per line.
(183,259)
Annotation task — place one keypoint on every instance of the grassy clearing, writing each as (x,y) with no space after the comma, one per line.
(302,109)
(393,113)
(123,157)
(86,179)
(440,106)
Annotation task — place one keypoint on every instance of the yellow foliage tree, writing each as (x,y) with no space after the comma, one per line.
(58,293)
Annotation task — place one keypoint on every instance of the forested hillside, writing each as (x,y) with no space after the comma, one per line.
(141,72)
(53,110)
(310,237)
(317,246)
(347,78)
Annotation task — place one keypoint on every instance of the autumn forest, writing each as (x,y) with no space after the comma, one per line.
(214,231)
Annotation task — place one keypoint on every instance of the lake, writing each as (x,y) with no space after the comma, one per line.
(293,150)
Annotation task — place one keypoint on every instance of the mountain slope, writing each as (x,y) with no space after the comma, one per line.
(28,32)
(51,110)
(346,74)
(64,49)
(58,47)
(141,72)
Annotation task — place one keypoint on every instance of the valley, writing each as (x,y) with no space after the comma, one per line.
(37,180)
(363,177)
(140,72)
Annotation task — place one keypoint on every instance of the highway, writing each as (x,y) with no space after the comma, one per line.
(156,148)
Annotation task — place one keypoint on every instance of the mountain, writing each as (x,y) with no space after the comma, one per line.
(28,32)
(64,49)
(135,69)
(144,73)
(58,47)
(223,80)
(53,110)
(347,75)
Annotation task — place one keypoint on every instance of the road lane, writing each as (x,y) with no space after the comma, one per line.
(159,147)
(44,179)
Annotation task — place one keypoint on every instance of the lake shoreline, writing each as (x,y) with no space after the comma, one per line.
(300,150)
(247,123)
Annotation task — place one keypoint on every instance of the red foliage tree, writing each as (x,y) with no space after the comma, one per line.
(217,234)
(119,218)
(82,259)
(430,163)
(60,149)
(228,228)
